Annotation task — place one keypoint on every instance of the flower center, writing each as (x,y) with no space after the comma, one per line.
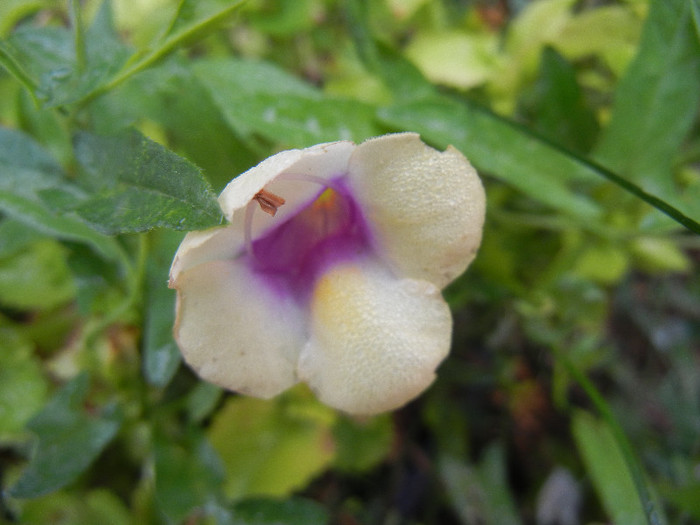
(328,230)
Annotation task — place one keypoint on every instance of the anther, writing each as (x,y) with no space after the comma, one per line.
(269,202)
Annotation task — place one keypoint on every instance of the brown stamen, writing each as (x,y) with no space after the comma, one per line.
(269,202)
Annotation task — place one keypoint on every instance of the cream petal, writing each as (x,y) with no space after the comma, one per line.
(235,331)
(215,244)
(375,340)
(275,174)
(425,208)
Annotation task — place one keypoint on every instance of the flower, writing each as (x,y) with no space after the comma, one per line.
(330,272)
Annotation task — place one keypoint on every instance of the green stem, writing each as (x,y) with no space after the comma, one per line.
(78,35)
(167,46)
(135,277)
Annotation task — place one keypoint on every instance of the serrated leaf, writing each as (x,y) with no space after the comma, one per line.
(501,149)
(69,439)
(171,95)
(28,172)
(141,185)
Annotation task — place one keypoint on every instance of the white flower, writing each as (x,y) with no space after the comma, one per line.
(338,283)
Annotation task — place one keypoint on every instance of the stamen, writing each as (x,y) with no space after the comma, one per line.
(269,202)
(248,227)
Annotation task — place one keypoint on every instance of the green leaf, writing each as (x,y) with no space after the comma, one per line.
(257,98)
(65,76)
(12,11)
(500,148)
(28,172)
(194,18)
(695,7)
(141,185)
(11,60)
(94,507)
(188,475)
(293,511)
(36,278)
(16,236)
(271,449)
(23,387)
(557,107)
(656,104)
(607,469)
(653,512)
(171,95)
(69,439)
(161,356)
(480,494)
(362,444)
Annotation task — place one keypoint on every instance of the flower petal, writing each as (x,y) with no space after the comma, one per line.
(215,244)
(323,161)
(375,340)
(425,208)
(235,332)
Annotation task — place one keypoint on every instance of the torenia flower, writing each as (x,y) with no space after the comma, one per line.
(330,272)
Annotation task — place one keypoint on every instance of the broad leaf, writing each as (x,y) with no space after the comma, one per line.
(556,105)
(28,174)
(140,185)
(259,99)
(656,104)
(188,475)
(69,439)
(36,277)
(268,448)
(172,95)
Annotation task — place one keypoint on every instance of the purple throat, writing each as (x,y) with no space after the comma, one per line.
(330,229)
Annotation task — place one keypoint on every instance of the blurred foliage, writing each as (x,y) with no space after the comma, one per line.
(572,394)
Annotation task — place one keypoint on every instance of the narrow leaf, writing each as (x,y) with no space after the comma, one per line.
(607,469)
(500,148)
(12,63)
